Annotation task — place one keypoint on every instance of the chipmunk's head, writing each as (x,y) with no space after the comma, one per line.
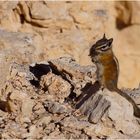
(102,46)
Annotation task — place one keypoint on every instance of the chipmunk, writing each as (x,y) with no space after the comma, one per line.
(107,64)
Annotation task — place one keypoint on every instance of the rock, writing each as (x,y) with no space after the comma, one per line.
(39,111)
(92,104)
(56,86)
(27,107)
(55,107)
(124,14)
(43,124)
(119,110)
(74,73)
(128,48)
(72,127)
(38,108)
(36,31)
(21,51)
(43,121)
(70,28)
(8,19)
(134,94)
(127,13)
(33,132)
(43,14)
(99,111)
(74,123)
(5,106)
(18,98)
(37,20)
(135,12)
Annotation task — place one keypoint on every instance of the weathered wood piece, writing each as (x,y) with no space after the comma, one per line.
(99,111)
(92,104)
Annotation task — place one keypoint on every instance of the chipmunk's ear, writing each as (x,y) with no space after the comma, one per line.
(110,41)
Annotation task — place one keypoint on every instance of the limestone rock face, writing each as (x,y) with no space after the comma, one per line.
(127,13)
(38,31)
(35,95)
(56,86)
(70,28)
(124,120)
(128,59)
(14,47)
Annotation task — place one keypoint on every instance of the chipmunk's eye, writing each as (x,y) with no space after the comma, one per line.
(104,48)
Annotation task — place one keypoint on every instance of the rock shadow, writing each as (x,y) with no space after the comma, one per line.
(38,70)
(87,92)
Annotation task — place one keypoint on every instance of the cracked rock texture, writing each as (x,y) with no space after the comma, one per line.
(36,95)
(37,81)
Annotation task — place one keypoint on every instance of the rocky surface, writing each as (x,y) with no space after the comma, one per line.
(39,92)
(34,104)
(69,29)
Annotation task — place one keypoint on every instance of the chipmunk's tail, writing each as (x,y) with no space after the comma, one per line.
(126,96)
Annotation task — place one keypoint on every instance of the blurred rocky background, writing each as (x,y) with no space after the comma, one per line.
(36,31)
(35,81)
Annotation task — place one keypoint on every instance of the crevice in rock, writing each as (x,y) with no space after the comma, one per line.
(35,83)
(55,71)
(27,17)
(83,132)
(42,69)
(121,25)
(124,14)
(38,70)
(22,19)
(121,132)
